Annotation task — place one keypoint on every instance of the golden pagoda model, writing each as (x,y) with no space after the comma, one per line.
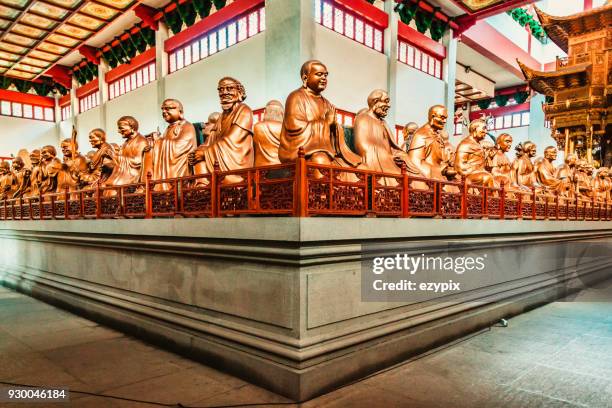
(581,85)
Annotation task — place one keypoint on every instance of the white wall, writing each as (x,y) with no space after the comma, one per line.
(141,104)
(512,30)
(86,122)
(354,69)
(196,85)
(18,133)
(417,92)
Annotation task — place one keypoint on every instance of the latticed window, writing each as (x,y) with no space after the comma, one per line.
(89,101)
(131,81)
(419,59)
(27,111)
(66,112)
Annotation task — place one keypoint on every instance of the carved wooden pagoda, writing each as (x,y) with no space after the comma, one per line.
(581,85)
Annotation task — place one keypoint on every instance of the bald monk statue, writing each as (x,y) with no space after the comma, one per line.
(470,158)
(546,173)
(374,141)
(100,163)
(266,134)
(50,168)
(427,153)
(35,175)
(170,151)
(601,186)
(524,171)
(21,178)
(128,160)
(73,167)
(584,186)
(6,180)
(566,174)
(231,140)
(500,165)
(310,123)
(208,127)
(407,134)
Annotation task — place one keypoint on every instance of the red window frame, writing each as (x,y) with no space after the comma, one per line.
(503,113)
(27,106)
(125,78)
(412,44)
(347,15)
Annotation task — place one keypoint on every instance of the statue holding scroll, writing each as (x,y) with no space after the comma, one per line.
(231,140)
(310,123)
(266,134)
(427,153)
(523,168)
(169,153)
(546,173)
(374,141)
(128,160)
(470,158)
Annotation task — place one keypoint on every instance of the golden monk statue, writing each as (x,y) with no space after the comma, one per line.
(374,139)
(35,175)
(470,158)
(128,160)
(50,167)
(499,164)
(6,180)
(566,175)
(100,163)
(231,140)
(601,187)
(546,173)
(266,134)
(523,168)
(21,177)
(208,127)
(427,153)
(584,183)
(407,134)
(310,123)
(75,165)
(169,153)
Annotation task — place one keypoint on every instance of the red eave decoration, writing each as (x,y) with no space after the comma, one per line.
(20,97)
(89,53)
(211,22)
(88,88)
(137,62)
(61,74)
(64,101)
(369,12)
(147,15)
(412,36)
(500,111)
(429,8)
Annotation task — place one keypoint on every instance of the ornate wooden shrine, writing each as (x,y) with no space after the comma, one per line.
(581,85)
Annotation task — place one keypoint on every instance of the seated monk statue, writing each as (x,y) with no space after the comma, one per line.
(231,144)
(208,127)
(74,167)
(50,167)
(470,157)
(266,134)
(566,176)
(6,180)
(523,168)
(310,122)
(427,153)
(169,153)
(127,162)
(584,187)
(546,173)
(21,177)
(100,163)
(499,164)
(35,175)
(407,134)
(374,141)
(601,186)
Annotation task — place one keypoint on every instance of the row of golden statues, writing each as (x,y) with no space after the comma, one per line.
(307,122)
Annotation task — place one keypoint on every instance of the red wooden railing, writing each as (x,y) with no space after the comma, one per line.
(302,189)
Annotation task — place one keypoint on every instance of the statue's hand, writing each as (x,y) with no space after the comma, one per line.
(330,116)
(195,157)
(147,148)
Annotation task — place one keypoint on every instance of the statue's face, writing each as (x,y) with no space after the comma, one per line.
(505,143)
(316,80)
(35,157)
(171,111)
(4,167)
(382,106)
(571,160)
(603,172)
(66,151)
(46,154)
(125,130)
(17,165)
(95,140)
(551,154)
(229,94)
(438,118)
(480,132)
(531,150)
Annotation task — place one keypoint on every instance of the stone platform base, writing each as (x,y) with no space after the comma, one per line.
(278,301)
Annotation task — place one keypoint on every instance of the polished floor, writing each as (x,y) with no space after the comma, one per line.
(559,355)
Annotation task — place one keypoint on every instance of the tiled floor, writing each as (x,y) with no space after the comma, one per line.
(559,355)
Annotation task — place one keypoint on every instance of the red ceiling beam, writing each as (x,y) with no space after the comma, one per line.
(90,54)
(61,74)
(429,8)
(147,15)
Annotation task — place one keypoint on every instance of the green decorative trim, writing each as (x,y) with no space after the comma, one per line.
(409,10)
(521,16)
(484,104)
(521,96)
(22,85)
(502,100)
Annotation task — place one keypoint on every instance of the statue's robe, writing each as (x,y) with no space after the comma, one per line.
(22,182)
(170,153)
(470,160)
(601,189)
(49,174)
(524,171)
(501,169)
(100,165)
(231,142)
(547,176)
(375,144)
(33,189)
(69,175)
(565,174)
(128,163)
(304,126)
(427,153)
(6,185)
(584,185)
(266,141)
